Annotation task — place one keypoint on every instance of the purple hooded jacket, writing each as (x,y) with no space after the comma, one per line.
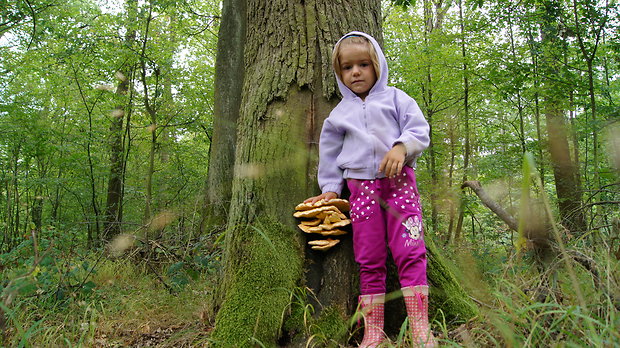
(358,133)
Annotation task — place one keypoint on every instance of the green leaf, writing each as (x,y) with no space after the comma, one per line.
(47,260)
(175,268)
(88,287)
(26,287)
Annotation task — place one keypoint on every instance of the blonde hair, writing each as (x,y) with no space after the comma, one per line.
(355,40)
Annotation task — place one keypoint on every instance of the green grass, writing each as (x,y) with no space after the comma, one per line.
(136,303)
(129,306)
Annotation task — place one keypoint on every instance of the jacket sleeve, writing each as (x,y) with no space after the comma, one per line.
(413,126)
(330,145)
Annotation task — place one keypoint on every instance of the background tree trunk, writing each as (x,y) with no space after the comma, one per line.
(91,171)
(229,73)
(465,119)
(114,202)
(565,169)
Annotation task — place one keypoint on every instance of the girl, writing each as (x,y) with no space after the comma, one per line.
(372,139)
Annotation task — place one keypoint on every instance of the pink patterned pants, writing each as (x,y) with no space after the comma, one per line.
(387,212)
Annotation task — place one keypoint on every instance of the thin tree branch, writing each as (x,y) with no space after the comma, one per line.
(491,204)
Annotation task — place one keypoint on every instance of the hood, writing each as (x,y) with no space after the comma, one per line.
(381,83)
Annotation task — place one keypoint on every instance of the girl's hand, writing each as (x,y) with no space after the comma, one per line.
(326,196)
(393,161)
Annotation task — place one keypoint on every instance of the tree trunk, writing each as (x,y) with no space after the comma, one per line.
(91,170)
(427,91)
(461,209)
(152,113)
(288,90)
(434,13)
(564,168)
(229,73)
(114,202)
(114,198)
(597,21)
(13,203)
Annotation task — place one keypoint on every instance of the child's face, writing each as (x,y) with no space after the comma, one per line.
(357,70)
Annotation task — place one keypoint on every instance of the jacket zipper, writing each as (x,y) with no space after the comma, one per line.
(368,132)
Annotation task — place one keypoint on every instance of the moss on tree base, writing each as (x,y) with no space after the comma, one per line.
(268,267)
(446,293)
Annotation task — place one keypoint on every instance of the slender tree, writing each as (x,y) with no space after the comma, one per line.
(229,73)
(465,121)
(565,168)
(114,202)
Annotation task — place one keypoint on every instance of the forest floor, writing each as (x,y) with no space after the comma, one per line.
(124,304)
(88,300)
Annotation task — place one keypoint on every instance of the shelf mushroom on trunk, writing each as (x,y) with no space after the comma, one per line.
(325,218)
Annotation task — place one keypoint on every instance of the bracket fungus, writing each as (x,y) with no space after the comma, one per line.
(323,218)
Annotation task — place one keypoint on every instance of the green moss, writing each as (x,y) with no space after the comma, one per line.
(305,324)
(258,295)
(329,328)
(331,324)
(447,294)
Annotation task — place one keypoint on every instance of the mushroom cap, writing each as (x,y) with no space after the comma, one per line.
(310,229)
(341,204)
(333,217)
(324,227)
(313,222)
(334,232)
(323,244)
(334,225)
(318,212)
(320,242)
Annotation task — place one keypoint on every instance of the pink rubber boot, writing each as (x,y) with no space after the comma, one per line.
(372,310)
(416,300)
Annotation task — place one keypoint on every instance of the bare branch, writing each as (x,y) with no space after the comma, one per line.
(491,204)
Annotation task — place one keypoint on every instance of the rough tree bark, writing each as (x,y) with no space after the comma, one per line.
(288,90)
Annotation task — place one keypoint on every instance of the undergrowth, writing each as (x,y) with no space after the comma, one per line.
(72,298)
(532,307)
(69,298)
(129,302)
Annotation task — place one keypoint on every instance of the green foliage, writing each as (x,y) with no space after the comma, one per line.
(521,320)
(49,276)
(128,305)
(195,264)
(328,329)
(58,91)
